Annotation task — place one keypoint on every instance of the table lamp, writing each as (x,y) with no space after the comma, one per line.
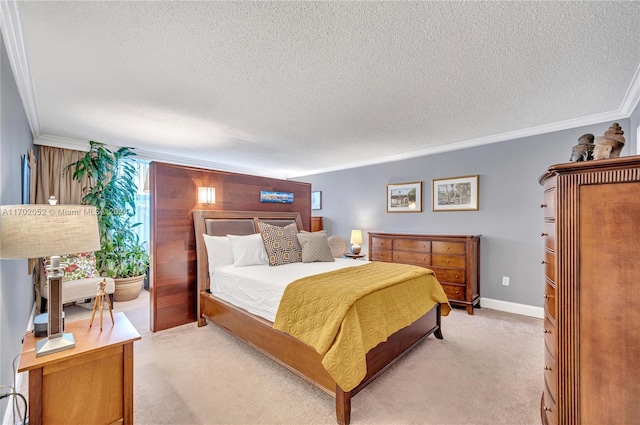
(356,240)
(38,230)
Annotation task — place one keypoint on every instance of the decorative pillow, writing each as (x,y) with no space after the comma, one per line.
(281,243)
(218,251)
(76,266)
(315,247)
(248,250)
(337,245)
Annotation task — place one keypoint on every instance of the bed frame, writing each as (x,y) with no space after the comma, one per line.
(294,355)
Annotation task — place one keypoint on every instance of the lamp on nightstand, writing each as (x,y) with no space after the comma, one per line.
(356,240)
(40,230)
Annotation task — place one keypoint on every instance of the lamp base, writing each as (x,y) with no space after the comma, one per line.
(53,345)
(355,248)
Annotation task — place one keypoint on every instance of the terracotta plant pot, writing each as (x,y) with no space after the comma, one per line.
(128,288)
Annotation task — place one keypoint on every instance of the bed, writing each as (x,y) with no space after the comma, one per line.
(298,357)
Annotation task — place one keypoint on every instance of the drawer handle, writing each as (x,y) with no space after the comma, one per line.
(543,205)
(547,409)
(545,296)
(543,262)
(447,261)
(457,275)
(547,331)
(544,234)
(547,368)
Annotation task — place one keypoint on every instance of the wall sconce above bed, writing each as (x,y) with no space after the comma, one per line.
(206,195)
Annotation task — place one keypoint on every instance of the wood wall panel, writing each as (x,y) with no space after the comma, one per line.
(174,188)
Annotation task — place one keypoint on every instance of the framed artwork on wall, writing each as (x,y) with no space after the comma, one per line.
(455,194)
(316,200)
(404,197)
(276,197)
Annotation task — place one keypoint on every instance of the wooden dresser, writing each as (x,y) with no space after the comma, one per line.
(592,292)
(455,259)
(316,224)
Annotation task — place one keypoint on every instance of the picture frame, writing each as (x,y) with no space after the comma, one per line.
(26,180)
(316,200)
(276,197)
(404,197)
(455,194)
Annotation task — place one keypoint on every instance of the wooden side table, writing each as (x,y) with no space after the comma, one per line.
(354,256)
(89,384)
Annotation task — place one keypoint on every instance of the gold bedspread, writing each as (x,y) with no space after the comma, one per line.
(345,313)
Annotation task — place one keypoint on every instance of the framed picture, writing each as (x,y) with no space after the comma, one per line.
(404,197)
(26,180)
(455,194)
(316,200)
(276,197)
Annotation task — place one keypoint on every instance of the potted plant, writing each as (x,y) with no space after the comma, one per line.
(112,190)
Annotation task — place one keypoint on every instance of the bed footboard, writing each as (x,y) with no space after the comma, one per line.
(302,359)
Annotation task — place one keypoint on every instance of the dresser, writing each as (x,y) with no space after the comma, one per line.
(89,384)
(455,259)
(591,259)
(316,224)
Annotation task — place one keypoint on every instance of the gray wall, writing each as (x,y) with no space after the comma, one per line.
(509,218)
(16,286)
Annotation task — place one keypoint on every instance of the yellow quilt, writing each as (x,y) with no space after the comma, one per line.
(345,313)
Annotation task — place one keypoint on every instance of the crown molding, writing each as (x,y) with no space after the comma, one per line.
(472,143)
(632,97)
(81,145)
(14,43)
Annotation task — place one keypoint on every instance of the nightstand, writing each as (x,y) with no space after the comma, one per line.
(91,383)
(354,256)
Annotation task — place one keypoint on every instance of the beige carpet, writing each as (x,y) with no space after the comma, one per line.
(487,370)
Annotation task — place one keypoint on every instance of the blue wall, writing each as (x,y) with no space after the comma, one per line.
(16,286)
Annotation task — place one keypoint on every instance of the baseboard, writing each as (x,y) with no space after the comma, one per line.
(509,307)
(20,385)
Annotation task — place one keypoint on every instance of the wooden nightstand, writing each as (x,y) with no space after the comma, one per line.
(354,256)
(91,383)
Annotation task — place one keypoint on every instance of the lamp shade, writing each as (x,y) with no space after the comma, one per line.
(38,230)
(356,237)
(206,195)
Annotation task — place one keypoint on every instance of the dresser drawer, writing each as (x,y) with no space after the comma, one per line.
(549,236)
(549,334)
(550,300)
(411,245)
(456,261)
(549,204)
(381,255)
(379,243)
(450,248)
(550,265)
(450,275)
(549,407)
(407,257)
(550,371)
(454,292)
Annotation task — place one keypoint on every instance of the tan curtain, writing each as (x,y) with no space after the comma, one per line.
(53,180)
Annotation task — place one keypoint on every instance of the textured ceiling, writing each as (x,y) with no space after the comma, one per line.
(290,88)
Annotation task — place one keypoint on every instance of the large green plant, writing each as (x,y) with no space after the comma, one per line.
(112,190)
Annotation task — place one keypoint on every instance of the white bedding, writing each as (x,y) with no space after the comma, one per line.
(259,288)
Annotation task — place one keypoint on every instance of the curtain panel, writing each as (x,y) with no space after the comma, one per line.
(52,178)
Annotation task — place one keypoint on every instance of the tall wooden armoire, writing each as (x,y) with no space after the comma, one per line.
(592,292)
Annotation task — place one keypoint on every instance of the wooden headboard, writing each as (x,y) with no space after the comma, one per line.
(223,223)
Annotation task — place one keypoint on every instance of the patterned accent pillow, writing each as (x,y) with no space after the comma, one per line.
(315,247)
(281,243)
(77,266)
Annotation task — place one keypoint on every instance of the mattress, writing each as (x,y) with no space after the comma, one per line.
(258,289)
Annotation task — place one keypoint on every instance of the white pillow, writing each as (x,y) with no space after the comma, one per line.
(248,250)
(218,251)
